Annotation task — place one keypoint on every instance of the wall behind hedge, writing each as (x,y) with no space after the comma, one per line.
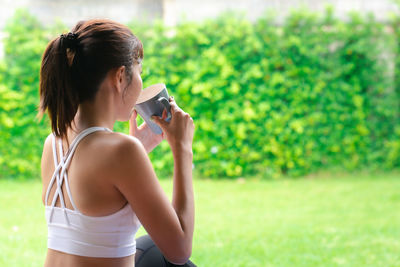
(314,93)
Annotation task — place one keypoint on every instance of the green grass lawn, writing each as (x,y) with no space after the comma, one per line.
(348,220)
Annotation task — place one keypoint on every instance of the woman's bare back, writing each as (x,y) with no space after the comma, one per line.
(90,180)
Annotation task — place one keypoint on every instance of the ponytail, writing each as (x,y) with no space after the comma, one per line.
(58,95)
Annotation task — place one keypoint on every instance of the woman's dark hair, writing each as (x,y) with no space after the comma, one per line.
(74,65)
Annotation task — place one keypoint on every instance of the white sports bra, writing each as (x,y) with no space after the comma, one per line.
(72,232)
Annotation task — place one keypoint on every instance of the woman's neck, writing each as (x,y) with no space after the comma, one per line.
(94,113)
(84,120)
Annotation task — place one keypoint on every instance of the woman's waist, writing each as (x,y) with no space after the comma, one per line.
(61,259)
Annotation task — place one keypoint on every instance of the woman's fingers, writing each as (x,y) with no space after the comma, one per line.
(164,114)
(134,114)
(174,106)
(160,120)
(178,116)
(133,127)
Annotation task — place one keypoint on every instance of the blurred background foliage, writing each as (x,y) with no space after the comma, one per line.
(311,94)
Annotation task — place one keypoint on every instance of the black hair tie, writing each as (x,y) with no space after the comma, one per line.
(69,40)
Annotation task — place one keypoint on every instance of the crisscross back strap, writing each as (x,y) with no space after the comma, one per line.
(60,171)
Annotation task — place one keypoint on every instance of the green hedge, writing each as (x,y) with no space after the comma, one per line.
(313,93)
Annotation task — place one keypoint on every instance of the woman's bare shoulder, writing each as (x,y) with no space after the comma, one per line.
(46,150)
(118,144)
(47,142)
(117,151)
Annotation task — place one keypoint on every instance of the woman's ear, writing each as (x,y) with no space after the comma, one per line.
(118,79)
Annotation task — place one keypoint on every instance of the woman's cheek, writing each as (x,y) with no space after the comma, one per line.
(139,86)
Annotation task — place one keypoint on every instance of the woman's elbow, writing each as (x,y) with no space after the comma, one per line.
(181,256)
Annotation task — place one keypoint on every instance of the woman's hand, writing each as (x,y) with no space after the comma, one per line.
(179,130)
(147,137)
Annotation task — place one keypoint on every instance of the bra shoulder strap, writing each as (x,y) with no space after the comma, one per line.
(60,171)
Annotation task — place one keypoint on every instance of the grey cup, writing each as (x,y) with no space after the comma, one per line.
(152,102)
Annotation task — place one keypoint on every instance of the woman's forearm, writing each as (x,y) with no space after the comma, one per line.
(183,196)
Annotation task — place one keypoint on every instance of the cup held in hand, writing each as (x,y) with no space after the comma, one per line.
(152,102)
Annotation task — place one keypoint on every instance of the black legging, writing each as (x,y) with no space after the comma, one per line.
(148,255)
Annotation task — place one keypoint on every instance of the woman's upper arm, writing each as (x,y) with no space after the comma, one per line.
(44,165)
(136,180)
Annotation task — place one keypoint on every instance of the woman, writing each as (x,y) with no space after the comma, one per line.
(98,185)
